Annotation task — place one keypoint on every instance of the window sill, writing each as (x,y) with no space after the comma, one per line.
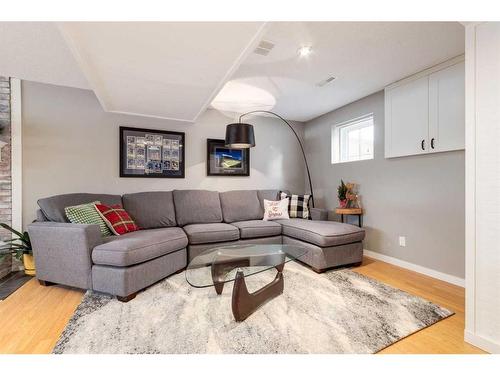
(350,161)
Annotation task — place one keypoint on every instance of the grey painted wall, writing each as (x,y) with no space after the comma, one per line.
(420,197)
(71,145)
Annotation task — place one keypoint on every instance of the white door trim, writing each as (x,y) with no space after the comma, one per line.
(470,183)
(16,153)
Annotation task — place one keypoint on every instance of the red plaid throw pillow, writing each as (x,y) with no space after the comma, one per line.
(116,218)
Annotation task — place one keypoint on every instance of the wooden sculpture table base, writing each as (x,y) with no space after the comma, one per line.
(245,303)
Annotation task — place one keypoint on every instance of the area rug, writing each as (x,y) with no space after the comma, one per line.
(335,312)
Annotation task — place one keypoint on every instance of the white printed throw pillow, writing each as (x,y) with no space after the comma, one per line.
(274,210)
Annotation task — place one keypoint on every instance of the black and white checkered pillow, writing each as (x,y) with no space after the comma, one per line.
(298,205)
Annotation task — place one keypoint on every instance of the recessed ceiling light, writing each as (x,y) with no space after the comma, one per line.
(304,51)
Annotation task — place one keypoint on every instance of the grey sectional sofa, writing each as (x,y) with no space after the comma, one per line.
(177,225)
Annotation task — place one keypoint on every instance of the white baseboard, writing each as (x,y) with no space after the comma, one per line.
(482,343)
(415,267)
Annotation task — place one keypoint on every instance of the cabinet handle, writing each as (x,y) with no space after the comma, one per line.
(423,144)
(432,143)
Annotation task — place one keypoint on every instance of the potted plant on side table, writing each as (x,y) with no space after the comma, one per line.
(342,192)
(20,247)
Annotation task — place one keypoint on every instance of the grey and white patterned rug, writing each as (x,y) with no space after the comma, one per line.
(335,312)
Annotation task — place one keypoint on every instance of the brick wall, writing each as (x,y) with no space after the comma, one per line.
(5,170)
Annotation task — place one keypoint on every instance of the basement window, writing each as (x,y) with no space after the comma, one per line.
(353,140)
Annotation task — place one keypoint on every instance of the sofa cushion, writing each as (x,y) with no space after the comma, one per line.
(154,209)
(214,232)
(240,205)
(322,233)
(270,195)
(257,228)
(197,206)
(53,207)
(140,246)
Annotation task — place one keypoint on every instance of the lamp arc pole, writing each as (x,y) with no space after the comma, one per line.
(298,140)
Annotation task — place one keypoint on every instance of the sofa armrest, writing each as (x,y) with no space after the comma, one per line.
(63,252)
(319,214)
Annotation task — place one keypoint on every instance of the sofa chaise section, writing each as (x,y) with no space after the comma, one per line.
(77,255)
(128,263)
(322,233)
(330,244)
(139,247)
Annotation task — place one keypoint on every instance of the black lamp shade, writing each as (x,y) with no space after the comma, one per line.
(239,135)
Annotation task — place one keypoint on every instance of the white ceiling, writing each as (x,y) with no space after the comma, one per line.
(363,56)
(159,69)
(36,51)
(174,70)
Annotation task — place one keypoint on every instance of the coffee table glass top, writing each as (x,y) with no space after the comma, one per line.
(203,270)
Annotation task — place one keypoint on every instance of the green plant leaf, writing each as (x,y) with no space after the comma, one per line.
(26,239)
(9,228)
(342,190)
(16,246)
(22,237)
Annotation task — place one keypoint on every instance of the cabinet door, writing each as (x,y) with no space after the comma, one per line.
(407,118)
(447,109)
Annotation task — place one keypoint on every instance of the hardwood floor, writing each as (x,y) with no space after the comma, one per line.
(32,318)
(446,336)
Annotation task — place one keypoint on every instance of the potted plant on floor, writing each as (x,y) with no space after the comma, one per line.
(20,247)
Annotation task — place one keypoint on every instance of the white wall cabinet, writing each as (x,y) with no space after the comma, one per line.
(447,109)
(425,113)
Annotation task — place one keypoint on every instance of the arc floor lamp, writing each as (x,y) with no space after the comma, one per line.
(241,135)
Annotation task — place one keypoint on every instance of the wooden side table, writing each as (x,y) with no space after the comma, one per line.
(350,211)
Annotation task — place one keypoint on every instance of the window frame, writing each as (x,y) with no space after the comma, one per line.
(336,145)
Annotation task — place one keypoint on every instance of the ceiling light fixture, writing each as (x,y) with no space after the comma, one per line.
(304,51)
(237,96)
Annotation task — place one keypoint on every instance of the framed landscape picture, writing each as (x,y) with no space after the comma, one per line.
(151,153)
(223,161)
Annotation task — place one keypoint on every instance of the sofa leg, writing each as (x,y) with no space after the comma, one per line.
(358,264)
(46,283)
(126,298)
(317,270)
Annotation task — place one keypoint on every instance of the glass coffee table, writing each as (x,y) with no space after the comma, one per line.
(217,266)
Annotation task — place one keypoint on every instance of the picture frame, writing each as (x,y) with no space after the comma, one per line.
(151,153)
(224,161)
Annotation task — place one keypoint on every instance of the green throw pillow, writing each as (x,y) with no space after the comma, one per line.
(87,214)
